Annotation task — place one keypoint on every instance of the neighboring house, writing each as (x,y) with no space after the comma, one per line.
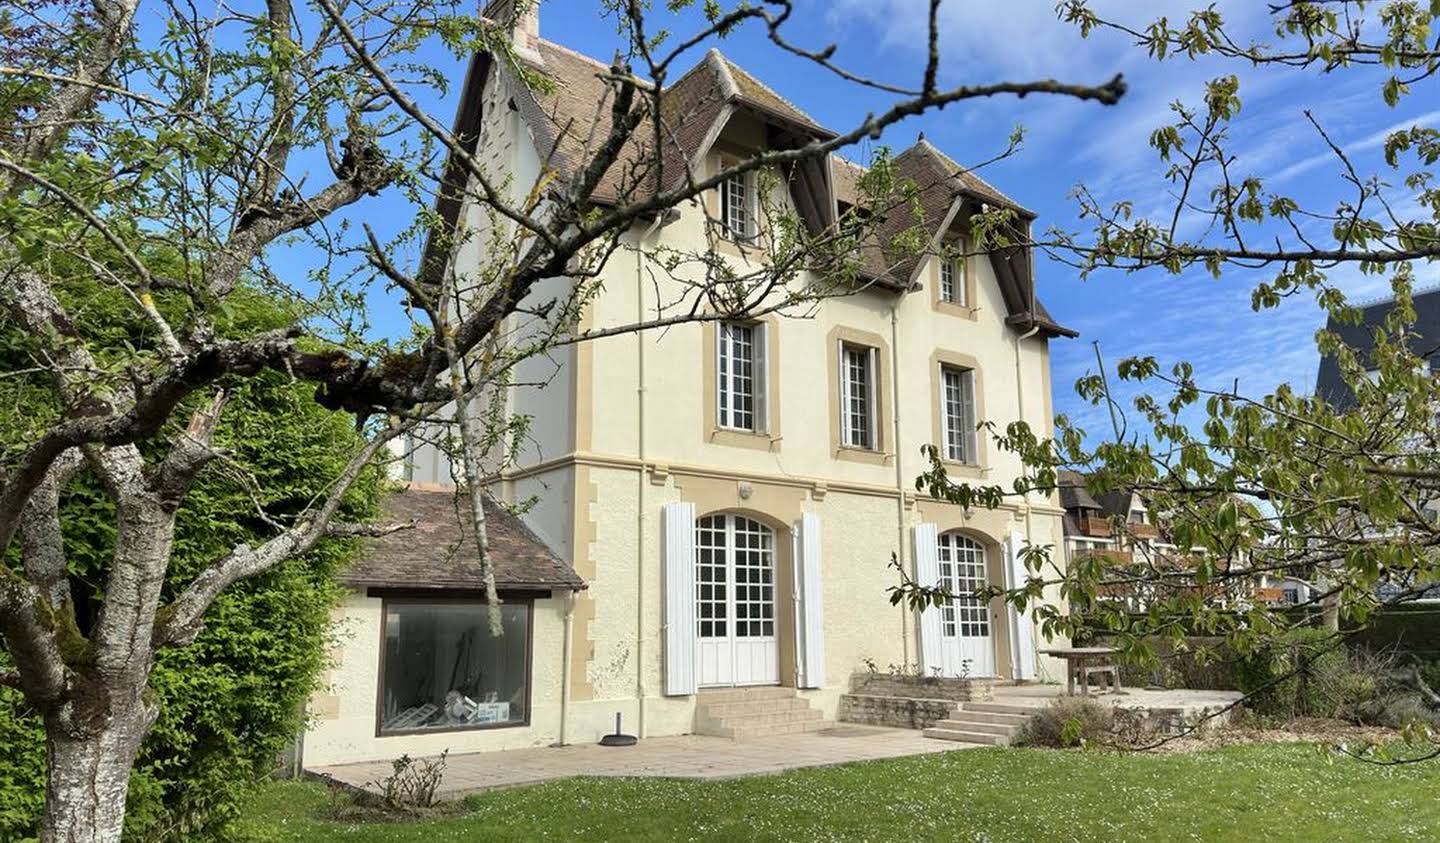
(1117,525)
(1124,530)
(718,504)
(1360,336)
(1424,342)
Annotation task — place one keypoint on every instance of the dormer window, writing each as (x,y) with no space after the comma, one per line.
(737,207)
(952,276)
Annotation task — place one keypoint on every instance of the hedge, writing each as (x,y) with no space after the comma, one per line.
(231,701)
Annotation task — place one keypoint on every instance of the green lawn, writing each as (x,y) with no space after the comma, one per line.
(1257,792)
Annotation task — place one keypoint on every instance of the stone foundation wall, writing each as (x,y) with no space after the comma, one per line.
(954,689)
(895,712)
(1166,722)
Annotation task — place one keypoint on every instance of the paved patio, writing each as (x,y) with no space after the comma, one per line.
(682,757)
(1189,700)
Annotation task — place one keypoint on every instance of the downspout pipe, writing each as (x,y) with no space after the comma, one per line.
(567,651)
(899,468)
(641,605)
(1020,408)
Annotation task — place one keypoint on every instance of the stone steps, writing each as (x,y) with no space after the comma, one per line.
(741,733)
(983,722)
(755,692)
(746,713)
(763,705)
(965,737)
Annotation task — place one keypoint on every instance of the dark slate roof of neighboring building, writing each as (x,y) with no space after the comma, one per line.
(1073,494)
(437,554)
(1361,337)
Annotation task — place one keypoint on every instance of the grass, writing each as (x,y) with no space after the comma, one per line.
(1257,792)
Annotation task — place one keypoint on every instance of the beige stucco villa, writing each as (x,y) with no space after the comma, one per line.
(717,504)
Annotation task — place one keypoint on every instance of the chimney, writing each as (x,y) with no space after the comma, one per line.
(524,23)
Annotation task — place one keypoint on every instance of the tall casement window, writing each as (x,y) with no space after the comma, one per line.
(740,377)
(857,396)
(958,407)
(737,207)
(441,668)
(962,573)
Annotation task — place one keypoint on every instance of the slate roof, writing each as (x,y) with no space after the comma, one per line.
(570,115)
(1361,337)
(436,554)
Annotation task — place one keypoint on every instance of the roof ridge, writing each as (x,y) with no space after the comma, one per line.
(727,79)
(732,66)
(691,72)
(1390,299)
(964,172)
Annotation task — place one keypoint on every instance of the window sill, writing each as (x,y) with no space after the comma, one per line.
(965,469)
(743,439)
(738,248)
(851,453)
(450,730)
(964,311)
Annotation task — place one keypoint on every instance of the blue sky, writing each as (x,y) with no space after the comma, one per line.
(1194,317)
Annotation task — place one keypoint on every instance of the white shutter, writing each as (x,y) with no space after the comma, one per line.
(927,574)
(872,406)
(809,604)
(967,396)
(679,538)
(722,375)
(1021,623)
(844,394)
(760,370)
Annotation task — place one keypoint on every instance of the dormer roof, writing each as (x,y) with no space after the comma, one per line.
(570,114)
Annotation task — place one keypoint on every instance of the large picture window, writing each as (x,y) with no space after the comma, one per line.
(443,669)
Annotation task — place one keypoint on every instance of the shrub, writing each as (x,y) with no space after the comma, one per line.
(412,782)
(1067,722)
(1301,673)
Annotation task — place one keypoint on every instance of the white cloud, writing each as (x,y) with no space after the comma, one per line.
(1374,140)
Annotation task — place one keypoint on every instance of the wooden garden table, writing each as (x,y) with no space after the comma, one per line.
(1082,661)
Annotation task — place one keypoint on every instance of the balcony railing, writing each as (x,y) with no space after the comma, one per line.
(1092,525)
(1141,530)
(1114,557)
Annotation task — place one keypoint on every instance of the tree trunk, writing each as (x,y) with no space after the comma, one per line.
(88,774)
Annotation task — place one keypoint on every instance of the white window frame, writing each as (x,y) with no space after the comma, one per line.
(851,393)
(747,409)
(738,221)
(957,410)
(952,276)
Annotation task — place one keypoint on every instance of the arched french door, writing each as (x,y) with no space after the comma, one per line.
(735,601)
(967,647)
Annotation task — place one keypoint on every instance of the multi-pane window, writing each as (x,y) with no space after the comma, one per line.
(952,279)
(740,377)
(712,577)
(962,573)
(735,567)
(737,207)
(958,406)
(443,667)
(754,579)
(857,396)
